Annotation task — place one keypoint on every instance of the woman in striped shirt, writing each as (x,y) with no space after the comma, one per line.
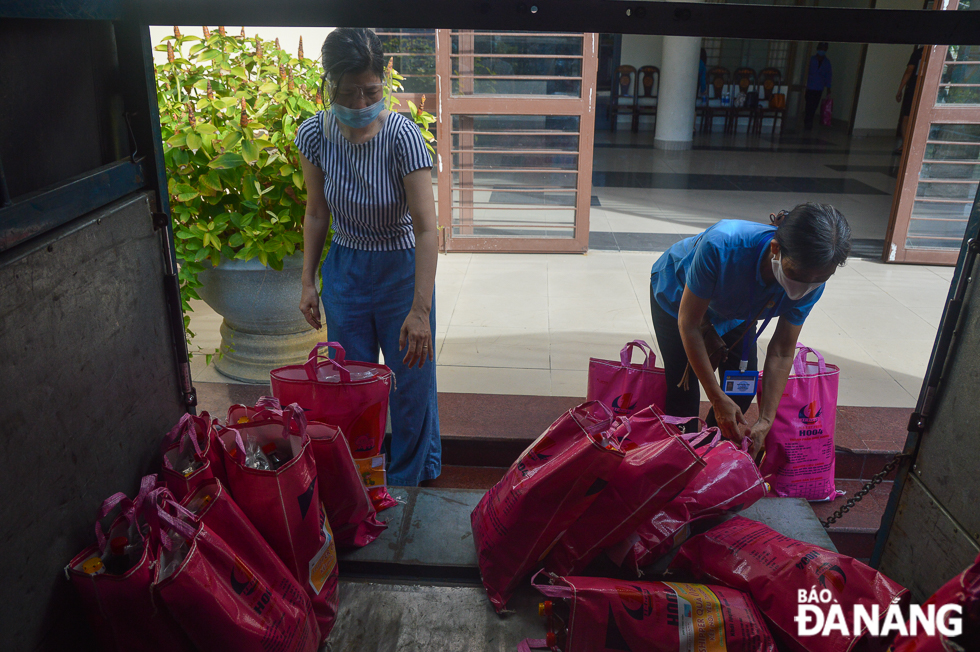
(379,275)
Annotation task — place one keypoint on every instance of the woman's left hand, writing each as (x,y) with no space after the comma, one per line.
(416,337)
(758,435)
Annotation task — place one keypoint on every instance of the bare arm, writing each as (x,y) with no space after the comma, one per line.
(909,70)
(416,336)
(316,225)
(779,362)
(727,413)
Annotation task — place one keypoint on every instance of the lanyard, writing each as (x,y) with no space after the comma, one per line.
(746,343)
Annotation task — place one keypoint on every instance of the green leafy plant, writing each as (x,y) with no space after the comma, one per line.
(229,110)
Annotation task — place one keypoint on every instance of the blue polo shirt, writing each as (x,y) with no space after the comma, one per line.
(722,264)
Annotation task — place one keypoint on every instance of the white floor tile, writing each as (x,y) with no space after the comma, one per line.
(467,346)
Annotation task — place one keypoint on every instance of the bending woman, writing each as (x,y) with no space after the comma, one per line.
(726,279)
(368,169)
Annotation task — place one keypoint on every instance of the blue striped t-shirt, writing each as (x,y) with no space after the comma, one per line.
(363,182)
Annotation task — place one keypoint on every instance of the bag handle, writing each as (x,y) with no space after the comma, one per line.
(799,362)
(157,517)
(626,354)
(552,590)
(679,421)
(709,438)
(186,433)
(185,424)
(130,508)
(312,363)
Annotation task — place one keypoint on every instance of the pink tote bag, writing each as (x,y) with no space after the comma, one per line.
(120,608)
(284,505)
(800,455)
(348,394)
(192,435)
(350,511)
(730,482)
(596,614)
(626,386)
(544,491)
(658,464)
(229,592)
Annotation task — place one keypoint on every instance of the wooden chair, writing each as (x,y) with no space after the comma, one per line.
(718,78)
(770,81)
(622,99)
(647,90)
(743,81)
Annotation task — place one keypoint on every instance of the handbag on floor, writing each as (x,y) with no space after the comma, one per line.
(799,455)
(119,605)
(221,582)
(750,556)
(827,111)
(730,482)
(350,395)
(272,477)
(596,614)
(342,491)
(625,386)
(188,456)
(517,522)
(658,464)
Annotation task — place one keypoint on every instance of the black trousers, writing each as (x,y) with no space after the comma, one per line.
(686,403)
(812,103)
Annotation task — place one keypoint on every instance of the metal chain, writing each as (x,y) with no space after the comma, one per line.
(875,480)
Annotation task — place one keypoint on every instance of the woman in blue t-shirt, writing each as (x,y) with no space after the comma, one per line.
(368,171)
(708,292)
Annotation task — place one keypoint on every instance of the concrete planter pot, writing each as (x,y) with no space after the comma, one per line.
(263,328)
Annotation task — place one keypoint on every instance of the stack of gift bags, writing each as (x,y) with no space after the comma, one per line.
(615,489)
(233,544)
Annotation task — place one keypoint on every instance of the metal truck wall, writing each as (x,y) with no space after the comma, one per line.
(88,386)
(935,533)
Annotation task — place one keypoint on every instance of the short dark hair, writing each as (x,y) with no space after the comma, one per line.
(814,236)
(822,45)
(352,50)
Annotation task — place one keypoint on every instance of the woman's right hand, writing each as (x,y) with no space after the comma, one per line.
(309,305)
(730,419)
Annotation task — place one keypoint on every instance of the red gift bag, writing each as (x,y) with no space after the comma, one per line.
(345,498)
(827,111)
(120,607)
(600,615)
(189,446)
(350,395)
(544,491)
(227,592)
(752,557)
(800,454)
(657,466)
(964,591)
(730,482)
(284,504)
(625,386)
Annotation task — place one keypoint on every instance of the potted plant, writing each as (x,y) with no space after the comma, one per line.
(229,110)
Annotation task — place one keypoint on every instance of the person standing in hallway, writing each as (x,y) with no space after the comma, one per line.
(367,170)
(818,78)
(707,293)
(906,93)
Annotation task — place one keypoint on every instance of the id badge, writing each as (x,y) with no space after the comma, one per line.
(741,383)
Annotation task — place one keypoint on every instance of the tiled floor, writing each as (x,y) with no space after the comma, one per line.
(527,324)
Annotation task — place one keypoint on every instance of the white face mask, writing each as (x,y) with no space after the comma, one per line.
(794,289)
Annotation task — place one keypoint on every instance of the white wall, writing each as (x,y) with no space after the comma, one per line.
(640,50)
(883,69)
(846,59)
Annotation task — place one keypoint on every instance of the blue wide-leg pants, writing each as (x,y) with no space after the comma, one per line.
(366,297)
